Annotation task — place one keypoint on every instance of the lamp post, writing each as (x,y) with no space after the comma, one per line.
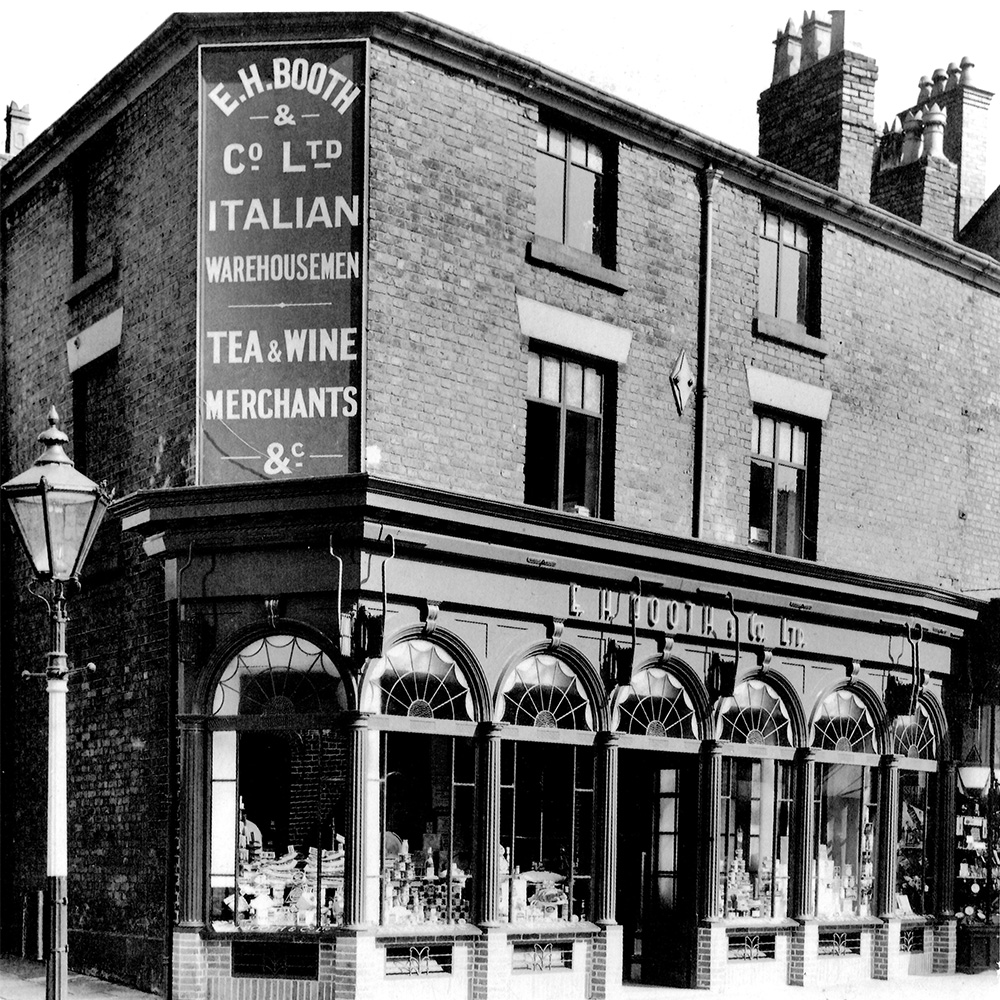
(57,512)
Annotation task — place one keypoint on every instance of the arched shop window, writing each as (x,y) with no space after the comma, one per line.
(278,780)
(544,692)
(421,680)
(546,795)
(913,735)
(656,704)
(427,784)
(844,806)
(756,806)
(915,741)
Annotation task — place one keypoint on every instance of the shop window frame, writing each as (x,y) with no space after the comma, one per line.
(271,654)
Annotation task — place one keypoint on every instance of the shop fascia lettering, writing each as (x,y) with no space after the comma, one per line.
(681,617)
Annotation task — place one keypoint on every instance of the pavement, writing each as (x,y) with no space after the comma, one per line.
(21,979)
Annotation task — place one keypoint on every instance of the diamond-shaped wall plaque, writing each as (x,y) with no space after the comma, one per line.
(681,381)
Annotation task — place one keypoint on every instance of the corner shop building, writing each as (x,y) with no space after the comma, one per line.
(400,751)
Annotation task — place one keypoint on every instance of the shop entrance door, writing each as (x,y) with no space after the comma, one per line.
(657,866)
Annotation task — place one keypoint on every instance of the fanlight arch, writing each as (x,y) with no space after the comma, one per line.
(844,722)
(279,675)
(914,735)
(656,703)
(419,679)
(755,713)
(544,691)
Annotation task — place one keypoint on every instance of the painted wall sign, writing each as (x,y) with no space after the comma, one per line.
(281,260)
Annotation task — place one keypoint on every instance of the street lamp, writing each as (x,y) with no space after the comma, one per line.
(57,512)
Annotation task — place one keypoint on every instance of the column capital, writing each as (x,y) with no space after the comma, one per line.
(490,730)
(805,754)
(359,720)
(609,738)
(713,748)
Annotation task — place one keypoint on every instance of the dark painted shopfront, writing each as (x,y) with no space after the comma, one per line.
(459,741)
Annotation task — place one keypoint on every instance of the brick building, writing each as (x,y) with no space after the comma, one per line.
(551,547)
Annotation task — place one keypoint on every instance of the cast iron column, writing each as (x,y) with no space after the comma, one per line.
(606,805)
(801,890)
(711,875)
(56,673)
(194,843)
(487,873)
(355,867)
(888,809)
(946,841)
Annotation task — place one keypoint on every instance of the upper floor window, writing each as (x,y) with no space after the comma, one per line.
(572,196)
(784,278)
(567,421)
(783,476)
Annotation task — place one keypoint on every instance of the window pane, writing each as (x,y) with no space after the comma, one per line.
(668,780)
(766,437)
(668,815)
(666,859)
(592,390)
(761,487)
(542,835)
(550,379)
(428,830)
(581,475)
(573,395)
(577,151)
(771,224)
(802,308)
(798,446)
(583,209)
(801,237)
(541,456)
(549,194)
(789,291)
(557,142)
(783,450)
(542,141)
(914,874)
(595,159)
(789,512)
(768,278)
(534,372)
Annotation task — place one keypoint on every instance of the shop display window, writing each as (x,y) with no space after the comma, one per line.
(428,786)
(421,680)
(545,693)
(546,831)
(656,704)
(914,867)
(277,794)
(757,798)
(842,876)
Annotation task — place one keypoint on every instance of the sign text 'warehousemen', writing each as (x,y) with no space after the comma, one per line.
(281,283)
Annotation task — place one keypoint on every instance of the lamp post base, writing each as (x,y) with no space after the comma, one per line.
(57,962)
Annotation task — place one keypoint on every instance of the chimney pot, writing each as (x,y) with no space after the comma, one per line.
(954,74)
(967,75)
(913,127)
(815,39)
(925,89)
(940,79)
(934,119)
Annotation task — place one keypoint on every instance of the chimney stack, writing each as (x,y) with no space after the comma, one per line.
(816,117)
(949,117)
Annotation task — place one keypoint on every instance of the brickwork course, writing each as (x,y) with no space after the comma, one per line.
(908,316)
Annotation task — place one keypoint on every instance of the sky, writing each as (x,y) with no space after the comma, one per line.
(702,66)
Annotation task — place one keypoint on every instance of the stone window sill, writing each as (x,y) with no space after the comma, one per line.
(576,263)
(781,330)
